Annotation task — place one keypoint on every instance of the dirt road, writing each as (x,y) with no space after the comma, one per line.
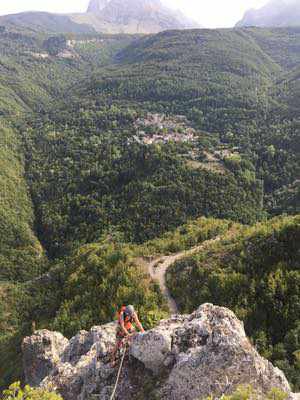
(158,267)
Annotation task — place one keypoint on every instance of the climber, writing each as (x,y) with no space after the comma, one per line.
(127,318)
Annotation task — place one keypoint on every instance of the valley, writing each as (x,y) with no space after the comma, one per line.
(139,167)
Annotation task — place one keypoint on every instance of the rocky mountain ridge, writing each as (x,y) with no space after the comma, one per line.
(185,357)
(133,16)
(106,16)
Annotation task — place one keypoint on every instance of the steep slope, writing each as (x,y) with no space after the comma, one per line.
(201,68)
(255,273)
(30,77)
(225,82)
(289,85)
(124,142)
(221,80)
(39,69)
(28,84)
(281,44)
(186,357)
(108,272)
(274,13)
(21,254)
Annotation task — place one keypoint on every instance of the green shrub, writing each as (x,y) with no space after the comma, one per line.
(55,44)
(256,274)
(16,392)
(186,236)
(246,392)
(101,277)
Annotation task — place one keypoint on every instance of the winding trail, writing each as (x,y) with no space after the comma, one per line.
(157,269)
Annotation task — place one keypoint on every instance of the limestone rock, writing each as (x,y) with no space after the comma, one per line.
(186,357)
(42,352)
(154,347)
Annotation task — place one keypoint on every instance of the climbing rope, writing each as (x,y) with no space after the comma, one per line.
(119,373)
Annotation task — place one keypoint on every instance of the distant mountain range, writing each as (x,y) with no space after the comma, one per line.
(144,17)
(277,13)
(106,16)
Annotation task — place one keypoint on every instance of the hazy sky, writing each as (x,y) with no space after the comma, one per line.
(210,13)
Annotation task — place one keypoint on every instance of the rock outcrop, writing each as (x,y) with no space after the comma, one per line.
(186,357)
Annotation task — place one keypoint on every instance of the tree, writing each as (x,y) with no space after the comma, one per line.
(197,116)
(55,44)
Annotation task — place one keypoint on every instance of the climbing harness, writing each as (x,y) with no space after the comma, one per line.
(119,373)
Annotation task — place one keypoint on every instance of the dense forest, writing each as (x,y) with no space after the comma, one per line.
(254,272)
(113,146)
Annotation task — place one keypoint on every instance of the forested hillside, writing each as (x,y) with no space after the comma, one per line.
(21,255)
(45,22)
(255,273)
(227,92)
(88,176)
(108,142)
(38,70)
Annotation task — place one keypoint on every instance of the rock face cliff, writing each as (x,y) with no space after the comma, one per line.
(186,357)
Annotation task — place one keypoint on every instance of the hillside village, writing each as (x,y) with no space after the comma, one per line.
(66,49)
(160,128)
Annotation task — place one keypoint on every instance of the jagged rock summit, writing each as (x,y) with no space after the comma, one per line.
(277,13)
(185,357)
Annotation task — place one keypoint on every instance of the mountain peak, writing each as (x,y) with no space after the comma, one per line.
(99,5)
(136,16)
